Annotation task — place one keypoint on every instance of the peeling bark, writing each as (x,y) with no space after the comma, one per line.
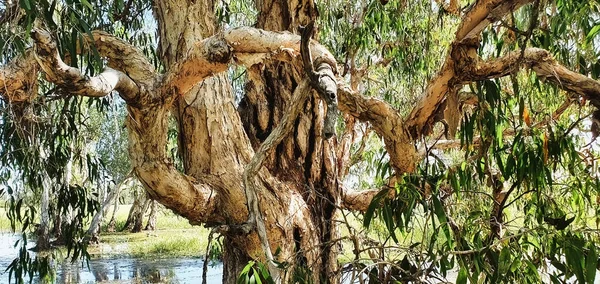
(71,79)
(18,79)
(296,183)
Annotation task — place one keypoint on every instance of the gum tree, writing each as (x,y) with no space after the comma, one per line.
(267,172)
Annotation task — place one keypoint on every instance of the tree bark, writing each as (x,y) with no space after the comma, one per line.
(94,229)
(135,218)
(304,160)
(151,224)
(297,189)
(43,232)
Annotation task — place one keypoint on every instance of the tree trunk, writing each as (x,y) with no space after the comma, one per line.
(151,224)
(94,229)
(112,224)
(135,218)
(43,232)
(297,189)
(304,160)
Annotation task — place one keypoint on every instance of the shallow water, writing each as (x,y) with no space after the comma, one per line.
(119,270)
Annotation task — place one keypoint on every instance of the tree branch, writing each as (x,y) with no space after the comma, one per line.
(249,46)
(19,78)
(322,80)
(484,13)
(359,200)
(546,67)
(386,122)
(462,50)
(245,46)
(73,80)
(124,57)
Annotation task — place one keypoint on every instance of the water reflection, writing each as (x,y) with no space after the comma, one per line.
(119,270)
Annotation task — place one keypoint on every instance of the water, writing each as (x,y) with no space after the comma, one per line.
(119,270)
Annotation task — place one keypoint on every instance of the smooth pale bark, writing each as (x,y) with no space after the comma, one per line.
(93,230)
(73,80)
(135,218)
(151,224)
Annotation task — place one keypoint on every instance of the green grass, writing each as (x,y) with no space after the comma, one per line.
(173,237)
(159,243)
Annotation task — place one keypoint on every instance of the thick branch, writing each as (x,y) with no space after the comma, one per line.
(356,200)
(546,67)
(73,80)
(246,46)
(483,13)
(124,57)
(462,50)
(18,78)
(193,199)
(387,123)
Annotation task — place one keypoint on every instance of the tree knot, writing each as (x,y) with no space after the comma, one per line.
(218,50)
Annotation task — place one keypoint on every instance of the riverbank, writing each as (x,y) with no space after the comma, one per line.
(173,237)
(173,252)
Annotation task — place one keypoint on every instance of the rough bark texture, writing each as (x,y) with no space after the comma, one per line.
(297,189)
(304,160)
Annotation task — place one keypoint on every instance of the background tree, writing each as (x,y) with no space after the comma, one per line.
(265,172)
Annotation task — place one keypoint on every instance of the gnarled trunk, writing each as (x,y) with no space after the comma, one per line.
(304,160)
(297,190)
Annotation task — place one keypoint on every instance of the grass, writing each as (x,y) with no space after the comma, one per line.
(4,222)
(173,237)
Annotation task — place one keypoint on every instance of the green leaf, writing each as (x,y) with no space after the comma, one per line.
(591,263)
(504,260)
(375,203)
(87,4)
(462,276)
(595,30)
